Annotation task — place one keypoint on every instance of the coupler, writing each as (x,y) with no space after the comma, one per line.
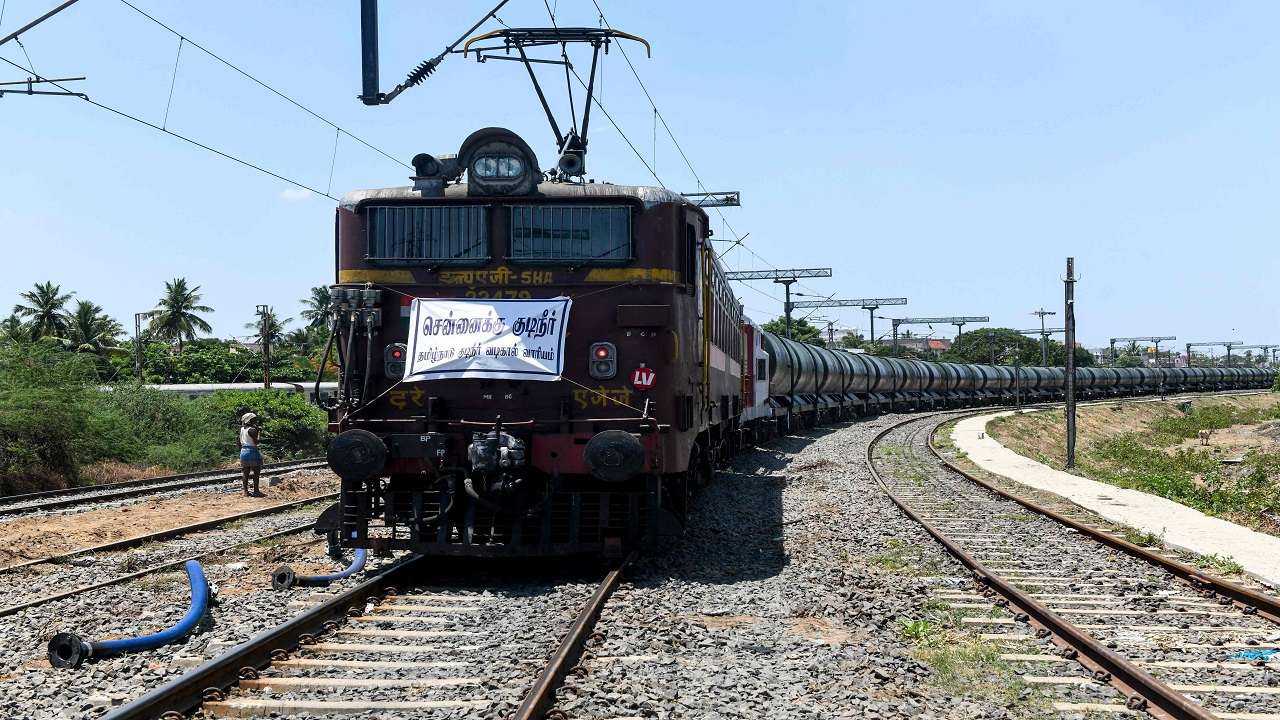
(284,577)
(68,650)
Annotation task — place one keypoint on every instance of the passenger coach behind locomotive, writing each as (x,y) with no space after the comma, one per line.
(589,463)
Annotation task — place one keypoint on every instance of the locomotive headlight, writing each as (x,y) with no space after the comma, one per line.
(604,361)
(494,167)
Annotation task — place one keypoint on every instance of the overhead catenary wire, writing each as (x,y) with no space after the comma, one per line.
(268,87)
(738,239)
(184,138)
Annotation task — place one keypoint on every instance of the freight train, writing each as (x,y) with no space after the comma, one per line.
(532,365)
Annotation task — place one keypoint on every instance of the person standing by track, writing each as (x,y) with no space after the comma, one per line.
(250,456)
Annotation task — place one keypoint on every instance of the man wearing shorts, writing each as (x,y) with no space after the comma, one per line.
(250,457)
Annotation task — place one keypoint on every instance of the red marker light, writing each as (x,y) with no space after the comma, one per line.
(397,353)
(602,352)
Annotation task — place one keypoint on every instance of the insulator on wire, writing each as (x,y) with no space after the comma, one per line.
(421,72)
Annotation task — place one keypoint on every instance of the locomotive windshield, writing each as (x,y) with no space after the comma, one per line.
(578,234)
(457,235)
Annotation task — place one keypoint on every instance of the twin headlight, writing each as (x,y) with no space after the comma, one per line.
(498,167)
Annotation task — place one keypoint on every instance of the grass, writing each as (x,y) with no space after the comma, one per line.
(890,450)
(972,668)
(1224,564)
(903,558)
(1143,539)
(1136,446)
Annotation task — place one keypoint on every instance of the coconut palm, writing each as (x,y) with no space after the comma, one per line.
(299,337)
(14,331)
(316,308)
(175,317)
(91,330)
(269,325)
(45,311)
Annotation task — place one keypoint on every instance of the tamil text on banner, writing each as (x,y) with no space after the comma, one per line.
(488,339)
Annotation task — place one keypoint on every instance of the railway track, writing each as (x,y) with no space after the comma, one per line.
(1174,641)
(394,644)
(74,497)
(42,580)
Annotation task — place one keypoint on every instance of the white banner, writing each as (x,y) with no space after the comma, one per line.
(490,339)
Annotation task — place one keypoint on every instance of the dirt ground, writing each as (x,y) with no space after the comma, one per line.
(1237,440)
(1039,434)
(41,537)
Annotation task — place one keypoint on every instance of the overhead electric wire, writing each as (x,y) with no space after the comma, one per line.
(278,93)
(738,239)
(184,138)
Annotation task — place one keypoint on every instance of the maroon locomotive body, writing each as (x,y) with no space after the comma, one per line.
(598,459)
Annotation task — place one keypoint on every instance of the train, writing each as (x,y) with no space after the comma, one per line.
(535,365)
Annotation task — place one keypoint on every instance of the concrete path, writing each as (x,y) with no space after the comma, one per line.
(1182,527)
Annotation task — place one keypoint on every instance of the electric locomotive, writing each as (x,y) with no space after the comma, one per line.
(597,458)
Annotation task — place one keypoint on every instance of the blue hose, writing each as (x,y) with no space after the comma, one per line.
(68,650)
(284,577)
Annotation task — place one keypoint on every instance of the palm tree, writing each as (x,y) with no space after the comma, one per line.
(299,337)
(13,330)
(274,325)
(316,308)
(45,310)
(175,317)
(91,330)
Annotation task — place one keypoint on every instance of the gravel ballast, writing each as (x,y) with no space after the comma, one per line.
(779,600)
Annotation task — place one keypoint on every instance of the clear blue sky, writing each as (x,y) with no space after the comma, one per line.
(952,152)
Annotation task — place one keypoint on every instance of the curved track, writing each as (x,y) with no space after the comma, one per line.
(1164,634)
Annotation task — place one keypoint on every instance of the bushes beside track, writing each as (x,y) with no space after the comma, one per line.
(55,424)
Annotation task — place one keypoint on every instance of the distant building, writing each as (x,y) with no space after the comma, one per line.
(920,344)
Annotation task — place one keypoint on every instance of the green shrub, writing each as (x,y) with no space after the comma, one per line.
(43,392)
(291,426)
(55,418)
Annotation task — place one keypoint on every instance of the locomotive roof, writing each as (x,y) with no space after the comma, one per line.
(647,194)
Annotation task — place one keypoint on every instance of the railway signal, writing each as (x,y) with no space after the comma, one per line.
(785,278)
(868,304)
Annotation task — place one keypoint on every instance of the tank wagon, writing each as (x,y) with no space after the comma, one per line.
(535,366)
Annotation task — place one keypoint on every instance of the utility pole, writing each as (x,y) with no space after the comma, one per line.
(991,342)
(1069,324)
(785,278)
(264,336)
(1044,335)
(868,304)
(137,345)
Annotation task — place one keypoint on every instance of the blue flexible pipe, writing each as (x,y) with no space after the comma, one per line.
(68,650)
(284,577)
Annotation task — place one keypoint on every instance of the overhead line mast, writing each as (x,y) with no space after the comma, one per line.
(958,320)
(868,304)
(785,278)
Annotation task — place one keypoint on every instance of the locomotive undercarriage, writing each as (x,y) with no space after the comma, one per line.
(569,517)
